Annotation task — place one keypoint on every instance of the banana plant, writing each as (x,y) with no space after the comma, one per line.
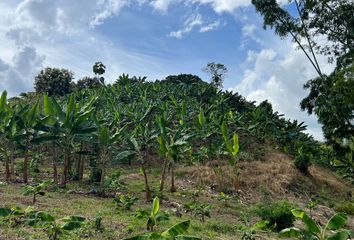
(55,228)
(26,119)
(38,189)
(138,145)
(174,233)
(15,215)
(106,139)
(332,230)
(7,135)
(173,144)
(233,149)
(67,123)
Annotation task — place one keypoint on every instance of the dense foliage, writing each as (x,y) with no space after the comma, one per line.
(309,22)
(54,81)
(132,120)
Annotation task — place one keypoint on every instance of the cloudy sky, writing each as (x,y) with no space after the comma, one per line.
(153,38)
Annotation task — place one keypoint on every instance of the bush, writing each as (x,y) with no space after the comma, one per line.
(345,207)
(302,162)
(278,214)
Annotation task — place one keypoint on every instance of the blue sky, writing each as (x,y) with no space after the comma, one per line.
(154,38)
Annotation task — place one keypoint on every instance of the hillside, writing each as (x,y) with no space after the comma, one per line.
(200,150)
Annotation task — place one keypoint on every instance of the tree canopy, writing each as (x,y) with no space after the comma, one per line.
(321,27)
(54,81)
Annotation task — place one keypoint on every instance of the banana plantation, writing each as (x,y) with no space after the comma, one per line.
(130,141)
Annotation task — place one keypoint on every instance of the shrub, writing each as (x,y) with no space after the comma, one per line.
(333,229)
(345,207)
(278,214)
(302,162)
(114,182)
(125,201)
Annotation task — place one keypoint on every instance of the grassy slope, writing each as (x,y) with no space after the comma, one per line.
(270,178)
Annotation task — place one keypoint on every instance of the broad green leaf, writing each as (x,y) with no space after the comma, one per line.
(161,141)
(177,229)
(343,235)
(290,232)
(201,118)
(308,221)
(225,136)
(155,206)
(141,237)
(73,218)
(44,216)
(337,221)
(3,100)
(236,145)
(70,109)
(182,237)
(71,226)
(58,110)
(134,143)
(260,225)
(118,134)
(298,213)
(5,212)
(47,108)
(103,136)
(310,224)
(122,156)
(32,114)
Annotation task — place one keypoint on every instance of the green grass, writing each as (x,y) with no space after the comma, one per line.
(118,224)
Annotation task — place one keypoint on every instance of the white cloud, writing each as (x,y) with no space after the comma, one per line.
(191,22)
(18,75)
(279,79)
(162,5)
(108,9)
(221,6)
(210,27)
(63,31)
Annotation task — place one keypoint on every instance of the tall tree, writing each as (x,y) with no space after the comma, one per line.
(99,69)
(330,97)
(217,71)
(54,81)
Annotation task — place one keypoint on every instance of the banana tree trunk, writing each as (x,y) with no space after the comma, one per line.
(163,176)
(12,159)
(66,166)
(173,187)
(7,169)
(104,160)
(54,161)
(146,182)
(79,163)
(81,172)
(25,164)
